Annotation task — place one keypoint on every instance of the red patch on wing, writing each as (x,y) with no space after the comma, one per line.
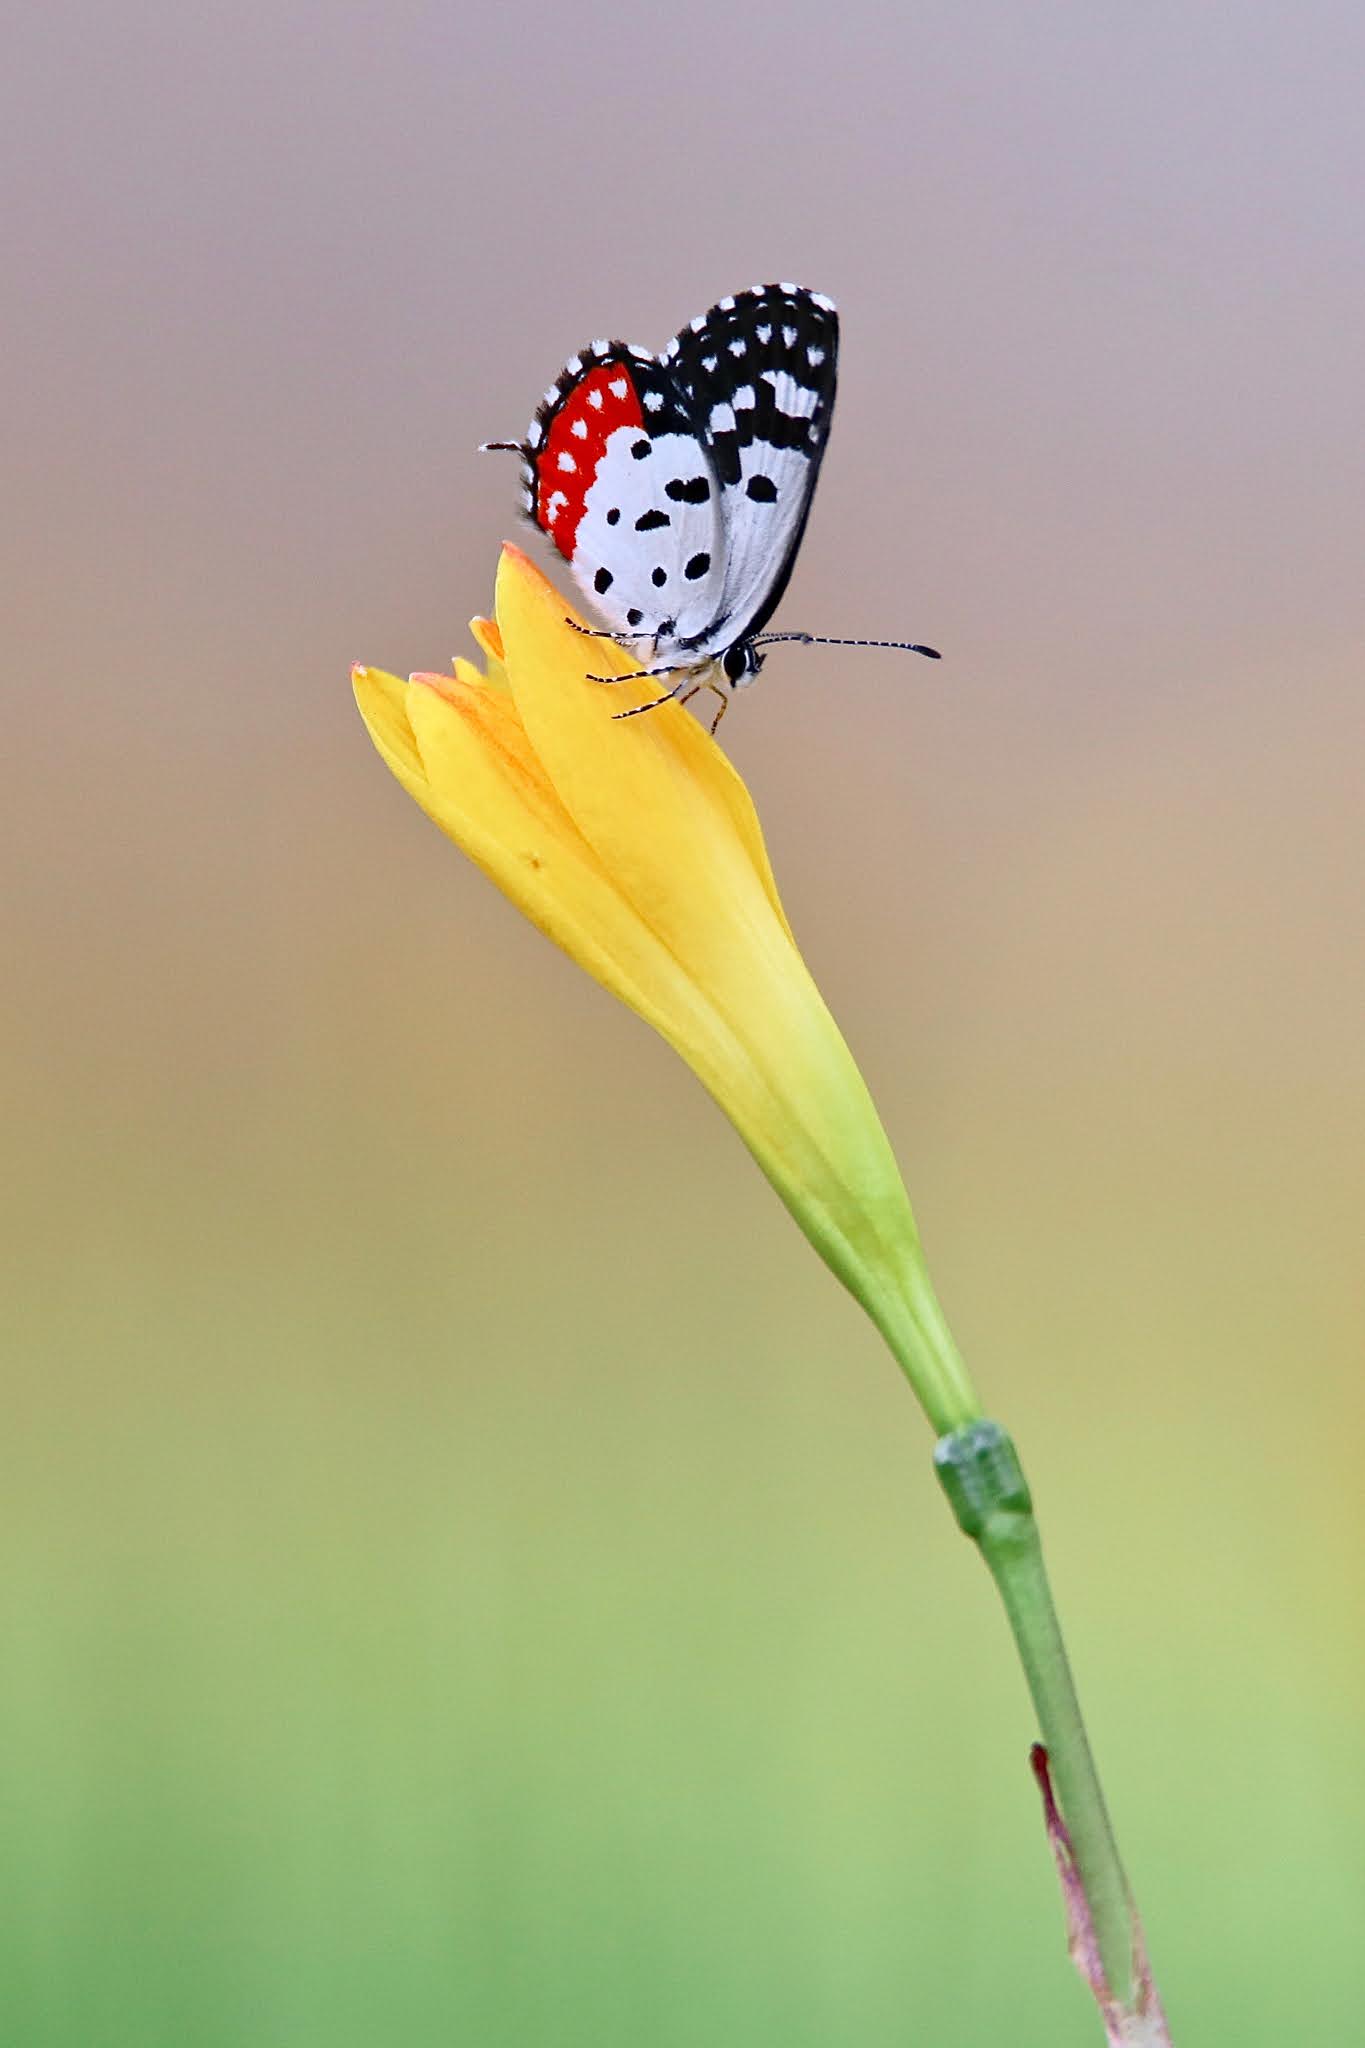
(602,401)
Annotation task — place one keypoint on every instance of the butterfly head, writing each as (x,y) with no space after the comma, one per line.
(741,663)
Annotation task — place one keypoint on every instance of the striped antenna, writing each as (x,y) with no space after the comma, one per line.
(819,640)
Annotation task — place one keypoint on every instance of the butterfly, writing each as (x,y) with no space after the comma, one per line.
(677,486)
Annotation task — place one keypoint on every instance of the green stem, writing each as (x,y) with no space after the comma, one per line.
(981,1475)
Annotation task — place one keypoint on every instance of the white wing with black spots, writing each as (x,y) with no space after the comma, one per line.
(649,550)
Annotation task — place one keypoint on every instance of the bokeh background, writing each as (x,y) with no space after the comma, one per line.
(467,1574)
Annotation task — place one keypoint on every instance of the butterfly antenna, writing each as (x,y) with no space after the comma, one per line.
(819,640)
(512,447)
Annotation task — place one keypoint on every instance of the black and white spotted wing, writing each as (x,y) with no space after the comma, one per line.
(677,487)
(758,373)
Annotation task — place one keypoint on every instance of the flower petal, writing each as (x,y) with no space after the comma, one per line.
(459,749)
(684,782)
(383,706)
(489,641)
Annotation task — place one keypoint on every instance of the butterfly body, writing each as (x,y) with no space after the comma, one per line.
(677,486)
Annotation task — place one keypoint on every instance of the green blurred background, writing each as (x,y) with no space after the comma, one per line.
(467,1574)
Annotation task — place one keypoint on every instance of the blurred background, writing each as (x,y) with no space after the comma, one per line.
(467,1574)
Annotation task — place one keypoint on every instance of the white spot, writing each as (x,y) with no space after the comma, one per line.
(672,349)
(738,348)
(825,305)
(535,434)
(793,291)
(727,306)
(595,400)
(554,505)
(789,336)
(722,420)
(815,356)
(618,387)
(601,348)
(552,395)
(745,399)
(765,334)
(697,324)
(642,355)
(653,401)
(579,428)
(573,366)
(708,362)
(566,461)
(791,398)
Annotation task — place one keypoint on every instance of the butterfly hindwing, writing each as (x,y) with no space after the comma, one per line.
(758,373)
(623,485)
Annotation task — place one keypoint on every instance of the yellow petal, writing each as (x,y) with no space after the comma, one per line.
(684,782)
(488,637)
(489,640)
(383,706)
(459,749)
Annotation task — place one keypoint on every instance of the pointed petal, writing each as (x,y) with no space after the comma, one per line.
(383,706)
(459,749)
(489,640)
(684,782)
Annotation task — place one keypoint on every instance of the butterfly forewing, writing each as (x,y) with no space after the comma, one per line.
(758,373)
(624,487)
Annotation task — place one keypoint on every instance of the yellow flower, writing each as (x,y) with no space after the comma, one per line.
(635,846)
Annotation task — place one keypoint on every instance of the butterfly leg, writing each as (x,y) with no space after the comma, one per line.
(668,697)
(644,675)
(685,697)
(724,704)
(604,632)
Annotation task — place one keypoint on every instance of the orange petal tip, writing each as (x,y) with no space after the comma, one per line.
(488,637)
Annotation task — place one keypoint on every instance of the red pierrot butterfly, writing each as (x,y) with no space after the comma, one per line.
(677,486)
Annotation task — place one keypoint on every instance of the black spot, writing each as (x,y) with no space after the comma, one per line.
(691,490)
(647,521)
(762,490)
(613,515)
(698,566)
(639,449)
(603,581)
(633,617)
(658,578)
